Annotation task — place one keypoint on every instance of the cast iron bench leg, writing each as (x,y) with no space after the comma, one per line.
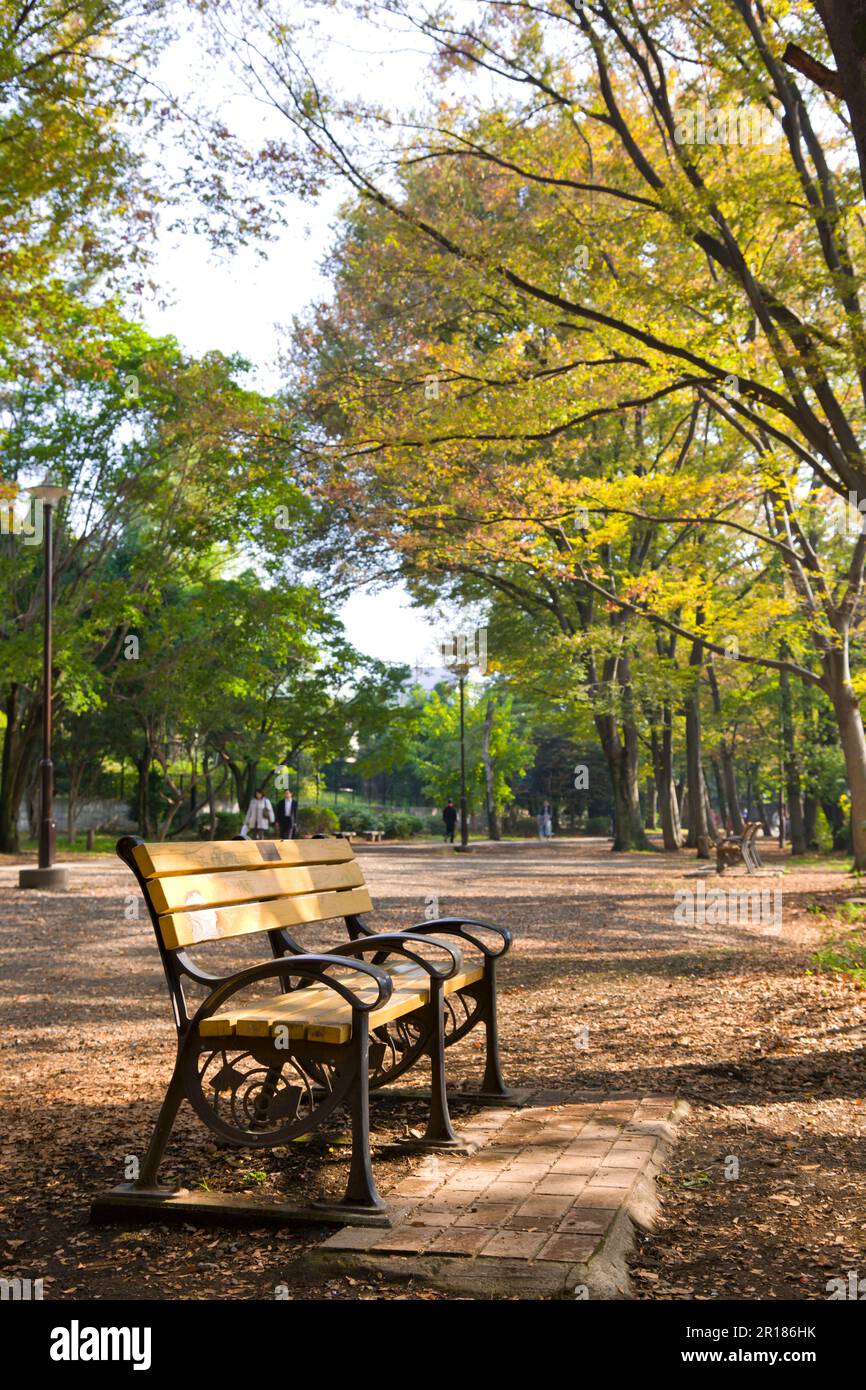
(493,1083)
(439,1131)
(147,1178)
(361,1190)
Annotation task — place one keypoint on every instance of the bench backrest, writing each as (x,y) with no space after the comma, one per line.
(217,889)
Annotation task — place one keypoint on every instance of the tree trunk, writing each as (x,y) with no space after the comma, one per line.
(720,790)
(8,801)
(810,820)
(621,757)
(845,23)
(729,804)
(791,768)
(489,798)
(211,796)
(651,803)
(709,813)
(837,683)
(729,774)
(244,780)
(836,822)
(193,786)
(620,752)
(142,799)
(698,837)
(629,831)
(762,810)
(669,809)
(20,741)
(75,774)
(33,797)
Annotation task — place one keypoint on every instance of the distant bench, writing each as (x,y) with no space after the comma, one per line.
(740,849)
(373,835)
(263,1071)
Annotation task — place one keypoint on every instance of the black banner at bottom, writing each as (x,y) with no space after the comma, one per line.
(279,1337)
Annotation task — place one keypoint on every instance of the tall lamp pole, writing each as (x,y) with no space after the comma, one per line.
(464,824)
(457,657)
(48,874)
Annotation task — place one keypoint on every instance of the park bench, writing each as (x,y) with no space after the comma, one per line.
(739,849)
(373,836)
(263,1071)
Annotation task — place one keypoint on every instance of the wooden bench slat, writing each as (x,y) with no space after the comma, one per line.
(320,1015)
(220,923)
(181,891)
(316,1002)
(327,1018)
(161,860)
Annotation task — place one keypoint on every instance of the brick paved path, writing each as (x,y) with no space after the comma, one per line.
(548,1186)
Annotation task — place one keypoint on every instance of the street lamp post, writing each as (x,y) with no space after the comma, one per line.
(458,658)
(464,824)
(48,874)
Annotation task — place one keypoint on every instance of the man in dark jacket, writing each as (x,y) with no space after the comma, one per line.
(449,815)
(286,812)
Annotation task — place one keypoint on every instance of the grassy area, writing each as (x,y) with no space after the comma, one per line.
(844,957)
(344,801)
(844,954)
(102,844)
(837,860)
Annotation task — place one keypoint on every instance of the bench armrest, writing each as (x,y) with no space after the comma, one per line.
(311,967)
(455,927)
(394,943)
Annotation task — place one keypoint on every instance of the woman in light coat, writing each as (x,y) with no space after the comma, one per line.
(260,816)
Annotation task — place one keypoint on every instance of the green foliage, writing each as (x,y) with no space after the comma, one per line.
(357,820)
(161,637)
(77,207)
(85,120)
(401,827)
(228,824)
(846,958)
(823,833)
(436,749)
(314,820)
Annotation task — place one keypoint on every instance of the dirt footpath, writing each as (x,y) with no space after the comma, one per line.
(610,984)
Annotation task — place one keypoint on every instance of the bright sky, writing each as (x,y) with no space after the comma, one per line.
(239,304)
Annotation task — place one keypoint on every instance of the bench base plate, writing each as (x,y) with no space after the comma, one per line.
(409,1144)
(755,873)
(127,1205)
(514,1097)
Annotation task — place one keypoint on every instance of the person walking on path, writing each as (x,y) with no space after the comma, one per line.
(260,815)
(449,815)
(545,822)
(286,811)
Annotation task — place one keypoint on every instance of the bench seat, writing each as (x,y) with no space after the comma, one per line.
(316,1013)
